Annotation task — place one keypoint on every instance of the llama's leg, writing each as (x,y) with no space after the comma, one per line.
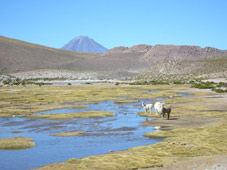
(163,115)
(156,112)
(168,115)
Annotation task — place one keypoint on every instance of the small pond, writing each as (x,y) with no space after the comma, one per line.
(116,133)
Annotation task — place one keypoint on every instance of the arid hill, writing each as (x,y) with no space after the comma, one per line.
(175,62)
(16,55)
(140,61)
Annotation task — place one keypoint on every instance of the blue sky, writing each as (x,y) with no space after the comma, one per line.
(116,22)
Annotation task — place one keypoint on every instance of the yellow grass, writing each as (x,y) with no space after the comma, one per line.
(74,133)
(16,143)
(88,114)
(186,142)
(28,100)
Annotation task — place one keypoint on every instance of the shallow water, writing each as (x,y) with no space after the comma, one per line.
(184,94)
(116,133)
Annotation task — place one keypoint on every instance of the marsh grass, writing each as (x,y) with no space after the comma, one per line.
(28,100)
(74,133)
(185,142)
(144,114)
(202,141)
(119,101)
(16,143)
(76,107)
(88,114)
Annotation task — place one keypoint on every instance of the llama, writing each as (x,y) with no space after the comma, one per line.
(147,107)
(162,109)
(158,107)
(166,109)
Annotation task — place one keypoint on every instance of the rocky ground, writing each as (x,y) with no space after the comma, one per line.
(56,74)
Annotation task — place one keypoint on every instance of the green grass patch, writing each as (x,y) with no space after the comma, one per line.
(217,87)
(152,82)
(203,85)
(220,90)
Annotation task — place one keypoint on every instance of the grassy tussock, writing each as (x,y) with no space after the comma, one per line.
(89,114)
(16,143)
(74,133)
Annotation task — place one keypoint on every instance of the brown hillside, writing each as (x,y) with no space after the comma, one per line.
(160,53)
(16,55)
(143,61)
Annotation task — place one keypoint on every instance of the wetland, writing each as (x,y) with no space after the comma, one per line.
(100,127)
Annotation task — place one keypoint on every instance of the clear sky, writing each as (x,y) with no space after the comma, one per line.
(116,22)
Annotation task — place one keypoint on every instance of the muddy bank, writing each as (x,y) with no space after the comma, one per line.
(180,122)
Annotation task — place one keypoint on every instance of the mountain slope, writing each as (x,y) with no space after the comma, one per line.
(16,55)
(143,61)
(84,44)
(160,53)
(172,61)
(186,69)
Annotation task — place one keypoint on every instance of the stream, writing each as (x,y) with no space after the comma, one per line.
(120,132)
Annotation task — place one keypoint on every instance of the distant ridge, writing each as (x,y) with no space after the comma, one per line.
(84,44)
